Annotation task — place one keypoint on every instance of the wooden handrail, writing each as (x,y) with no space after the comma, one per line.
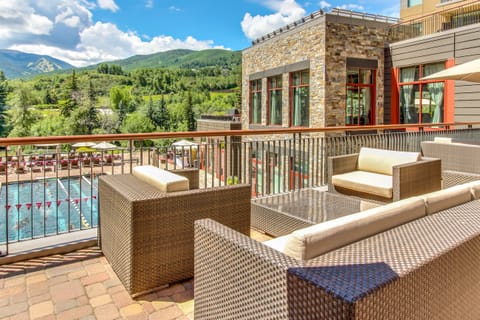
(198,134)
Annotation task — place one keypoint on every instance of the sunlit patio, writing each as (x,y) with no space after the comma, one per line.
(82,284)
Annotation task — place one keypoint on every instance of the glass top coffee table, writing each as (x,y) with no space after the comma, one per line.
(282,214)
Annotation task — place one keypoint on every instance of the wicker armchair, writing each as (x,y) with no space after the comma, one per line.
(425,269)
(459,161)
(406,179)
(147,235)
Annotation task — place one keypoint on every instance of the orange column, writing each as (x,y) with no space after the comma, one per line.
(449,95)
(394,102)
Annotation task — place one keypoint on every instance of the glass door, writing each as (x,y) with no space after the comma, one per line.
(360,90)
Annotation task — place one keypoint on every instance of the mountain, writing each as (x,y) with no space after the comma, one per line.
(182,58)
(16,64)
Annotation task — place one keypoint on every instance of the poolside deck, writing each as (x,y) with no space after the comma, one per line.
(82,285)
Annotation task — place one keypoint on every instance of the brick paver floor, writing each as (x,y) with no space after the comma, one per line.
(82,285)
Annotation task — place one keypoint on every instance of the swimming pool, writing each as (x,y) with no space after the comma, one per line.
(47,207)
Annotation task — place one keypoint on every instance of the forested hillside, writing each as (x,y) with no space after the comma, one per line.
(112,99)
(16,64)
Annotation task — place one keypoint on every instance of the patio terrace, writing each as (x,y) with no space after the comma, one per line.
(82,284)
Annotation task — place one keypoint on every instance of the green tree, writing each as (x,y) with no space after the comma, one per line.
(164,116)
(158,113)
(73,97)
(122,113)
(119,95)
(91,112)
(189,115)
(83,120)
(48,126)
(22,115)
(137,123)
(3,103)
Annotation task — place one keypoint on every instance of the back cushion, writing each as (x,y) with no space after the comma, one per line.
(447,198)
(442,140)
(382,161)
(310,242)
(163,180)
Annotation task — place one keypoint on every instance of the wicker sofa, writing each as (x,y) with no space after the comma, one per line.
(383,175)
(459,160)
(417,263)
(147,235)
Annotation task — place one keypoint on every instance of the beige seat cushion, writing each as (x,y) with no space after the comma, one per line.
(382,161)
(164,180)
(311,242)
(364,181)
(442,140)
(447,198)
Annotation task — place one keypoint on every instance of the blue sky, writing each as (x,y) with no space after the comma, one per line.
(84,32)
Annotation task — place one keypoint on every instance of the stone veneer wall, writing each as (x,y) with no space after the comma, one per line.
(352,41)
(305,43)
(325,43)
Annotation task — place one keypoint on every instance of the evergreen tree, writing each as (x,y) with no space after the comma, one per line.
(73,97)
(189,115)
(122,113)
(92,120)
(3,102)
(164,117)
(21,116)
(158,113)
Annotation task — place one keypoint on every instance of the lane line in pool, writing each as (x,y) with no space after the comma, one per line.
(82,217)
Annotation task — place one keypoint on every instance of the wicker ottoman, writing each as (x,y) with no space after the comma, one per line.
(148,236)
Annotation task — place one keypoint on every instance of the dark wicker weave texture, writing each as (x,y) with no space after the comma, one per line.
(460,162)
(147,235)
(409,179)
(425,269)
(192,174)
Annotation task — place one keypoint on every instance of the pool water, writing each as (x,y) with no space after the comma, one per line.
(47,207)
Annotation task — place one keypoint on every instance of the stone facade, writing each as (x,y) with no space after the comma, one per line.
(304,44)
(321,45)
(351,41)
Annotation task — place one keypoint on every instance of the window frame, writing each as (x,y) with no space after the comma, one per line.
(420,84)
(373,93)
(270,89)
(255,88)
(292,87)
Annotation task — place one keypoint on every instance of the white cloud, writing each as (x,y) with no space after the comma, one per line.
(19,18)
(324,5)
(108,4)
(173,8)
(65,30)
(286,12)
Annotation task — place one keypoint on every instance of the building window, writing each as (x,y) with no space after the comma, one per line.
(360,104)
(421,101)
(412,3)
(299,98)
(274,111)
(256,101)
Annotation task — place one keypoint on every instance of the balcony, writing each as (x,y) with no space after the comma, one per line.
(452,17)
(81,283)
